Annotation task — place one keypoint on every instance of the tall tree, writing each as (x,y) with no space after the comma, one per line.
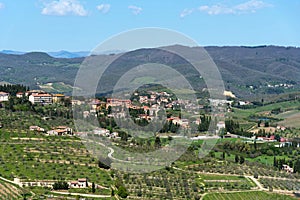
(157,142)
(93,188)
(242,160)
(236,158)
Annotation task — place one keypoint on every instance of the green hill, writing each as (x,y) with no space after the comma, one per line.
(247,71)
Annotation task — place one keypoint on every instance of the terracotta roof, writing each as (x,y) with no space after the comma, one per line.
(59,131)
(62,127)
(58,95)
(41,95)
(4,93)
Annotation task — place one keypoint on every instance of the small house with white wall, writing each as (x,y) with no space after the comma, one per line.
(4,96)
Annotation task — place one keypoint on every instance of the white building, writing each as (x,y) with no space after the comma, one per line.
(287,168)
(40,98)
(101,131)
(220,125)
(80,183)
(20,94)
(4,96)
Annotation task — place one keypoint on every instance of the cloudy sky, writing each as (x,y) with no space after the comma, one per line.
(74,25)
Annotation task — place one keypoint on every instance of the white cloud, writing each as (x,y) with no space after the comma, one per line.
(251,6)
(216,10)
(64,7)
(104,8)
(135,10)
(1,5)
(186,12)
(248,7)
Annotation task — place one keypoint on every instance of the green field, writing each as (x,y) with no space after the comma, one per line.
(255,195)
(290,118)
(58,87)
(264,159)
(216,182)
(221,177)
(245,113)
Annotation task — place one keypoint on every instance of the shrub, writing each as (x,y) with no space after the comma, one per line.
(122,192)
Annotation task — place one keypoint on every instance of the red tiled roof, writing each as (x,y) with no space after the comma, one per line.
(41,95)
(4,93)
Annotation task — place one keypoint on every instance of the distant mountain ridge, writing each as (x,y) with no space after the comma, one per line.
(245,70)
(63,53)
(55,54)
(67,54)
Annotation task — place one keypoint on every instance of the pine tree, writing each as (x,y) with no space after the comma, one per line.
(275,163)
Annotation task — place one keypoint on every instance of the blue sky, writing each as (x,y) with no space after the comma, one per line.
(75,25)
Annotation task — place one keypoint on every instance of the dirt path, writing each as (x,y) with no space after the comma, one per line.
(82,195)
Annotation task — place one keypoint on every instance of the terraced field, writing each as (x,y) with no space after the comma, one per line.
(280,185)
(33,156)
(9,191)
(216,182)
(255,195)
(164,184)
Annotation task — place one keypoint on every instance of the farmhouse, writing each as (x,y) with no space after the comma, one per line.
(61,130)
(4,96)
(80,183)
(20,94)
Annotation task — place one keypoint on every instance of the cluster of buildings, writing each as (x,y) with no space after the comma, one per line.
(59,130)
(282,85)
(35,97)
(152,102)
(79,183)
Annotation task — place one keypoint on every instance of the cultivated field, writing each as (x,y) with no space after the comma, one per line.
(291,118)
(9,191)
(255,195)
(34,156)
